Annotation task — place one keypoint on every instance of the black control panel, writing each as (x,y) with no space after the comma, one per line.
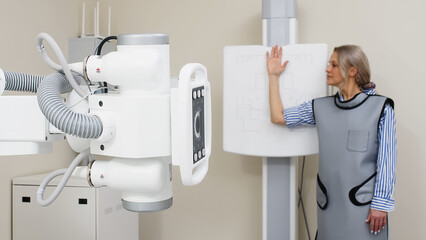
(199,150)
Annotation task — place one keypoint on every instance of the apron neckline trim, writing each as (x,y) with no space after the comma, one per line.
(352,103)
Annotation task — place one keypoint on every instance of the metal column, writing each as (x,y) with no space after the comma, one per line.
(278,22)
(279,198)
(279,174)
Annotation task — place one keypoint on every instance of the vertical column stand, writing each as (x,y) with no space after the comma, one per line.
(280,215)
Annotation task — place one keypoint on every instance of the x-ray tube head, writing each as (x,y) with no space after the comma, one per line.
(146,187)
(141,64)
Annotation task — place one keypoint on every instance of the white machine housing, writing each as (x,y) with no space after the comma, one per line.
(2,82)
(137,122)
(135,67)
(24,130)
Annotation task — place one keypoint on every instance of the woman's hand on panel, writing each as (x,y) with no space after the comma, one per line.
(273,61)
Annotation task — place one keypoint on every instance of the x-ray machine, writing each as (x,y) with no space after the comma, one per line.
(120,105)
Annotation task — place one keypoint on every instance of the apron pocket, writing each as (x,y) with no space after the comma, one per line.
(358,140)
(322,199)
(362,194)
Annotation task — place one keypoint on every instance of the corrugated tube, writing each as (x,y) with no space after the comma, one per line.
(54,109)
(22,82)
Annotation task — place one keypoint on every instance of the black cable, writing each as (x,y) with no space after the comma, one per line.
(98,52)
(306,221)
(301,200)
(301,181)
(99,48)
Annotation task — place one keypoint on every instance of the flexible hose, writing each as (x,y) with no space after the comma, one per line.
(67,174)
(99,48)
(64,65)
(22,82)
(63,118)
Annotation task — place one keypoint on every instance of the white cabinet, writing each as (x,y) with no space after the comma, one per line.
(80,212)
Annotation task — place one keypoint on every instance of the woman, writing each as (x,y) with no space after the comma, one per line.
(357,156)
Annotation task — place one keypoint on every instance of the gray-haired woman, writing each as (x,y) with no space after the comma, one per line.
(357,146)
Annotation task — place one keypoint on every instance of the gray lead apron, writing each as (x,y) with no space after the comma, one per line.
(348,148)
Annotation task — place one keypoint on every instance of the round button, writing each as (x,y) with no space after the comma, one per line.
(197,125)
(203,151)
(195,157)
(199,93)
(199,154)
(194,95)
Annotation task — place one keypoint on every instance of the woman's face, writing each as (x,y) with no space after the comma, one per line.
(334,76)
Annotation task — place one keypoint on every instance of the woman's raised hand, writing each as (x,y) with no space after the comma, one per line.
(273,64)
(273,61)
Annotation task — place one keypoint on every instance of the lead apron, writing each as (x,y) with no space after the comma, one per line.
(348,146)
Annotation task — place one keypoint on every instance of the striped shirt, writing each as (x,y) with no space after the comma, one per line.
(383,198)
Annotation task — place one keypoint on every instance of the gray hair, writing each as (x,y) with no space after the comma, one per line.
(353,56)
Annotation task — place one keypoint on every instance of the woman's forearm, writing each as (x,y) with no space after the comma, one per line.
(275,104)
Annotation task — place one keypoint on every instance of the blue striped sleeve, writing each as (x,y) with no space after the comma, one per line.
(299,115)
(383,198)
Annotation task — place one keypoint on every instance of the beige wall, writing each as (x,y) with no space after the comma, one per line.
(227,204)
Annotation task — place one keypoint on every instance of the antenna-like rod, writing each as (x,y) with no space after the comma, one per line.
(94,22)
(83,20)
(97,20)
(109,21)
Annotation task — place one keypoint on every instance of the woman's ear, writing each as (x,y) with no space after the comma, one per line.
(352,71)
